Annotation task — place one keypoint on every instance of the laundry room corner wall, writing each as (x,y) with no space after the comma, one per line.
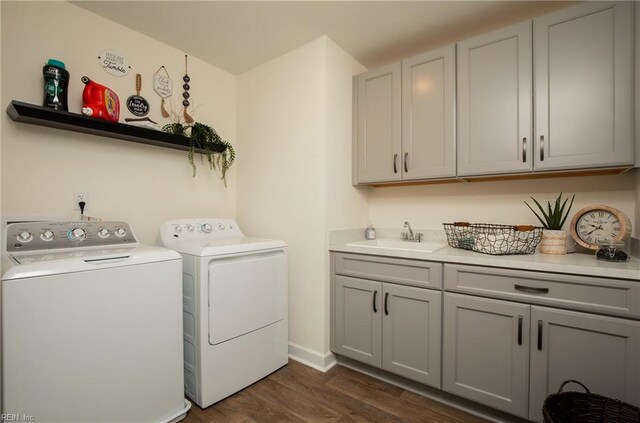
(280,178)
(294,183)
(346,206)
(142,184)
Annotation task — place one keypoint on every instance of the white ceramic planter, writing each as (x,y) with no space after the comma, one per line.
(553,242)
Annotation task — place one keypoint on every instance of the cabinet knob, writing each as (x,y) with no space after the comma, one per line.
(524,150)
(395,163)
(406,168)
(542,148)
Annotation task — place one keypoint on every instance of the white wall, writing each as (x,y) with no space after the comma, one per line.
(280,177)
(346,207)
(144,185)
(294,128)
(429,206)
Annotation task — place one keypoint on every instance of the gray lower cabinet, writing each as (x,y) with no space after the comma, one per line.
(393,327)
(601,352)
(411,334)
(511,356)
(486,351)
(358,322)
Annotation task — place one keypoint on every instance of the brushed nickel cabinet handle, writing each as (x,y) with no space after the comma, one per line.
(532,289)
(375,295)
(395,163)
(542,148)
(519,330)
(539,335)
(386,303)
(524,150)
(406,169)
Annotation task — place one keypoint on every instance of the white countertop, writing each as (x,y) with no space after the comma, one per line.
(577,264)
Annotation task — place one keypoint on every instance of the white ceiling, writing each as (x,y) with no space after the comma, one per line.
(239,35)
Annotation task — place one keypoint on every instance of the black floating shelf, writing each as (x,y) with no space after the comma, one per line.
(43,116)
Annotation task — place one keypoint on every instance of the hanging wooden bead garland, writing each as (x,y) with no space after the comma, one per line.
(185,94)
(163,86)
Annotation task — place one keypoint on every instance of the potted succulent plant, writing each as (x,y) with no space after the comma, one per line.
(554,238)
(205,140)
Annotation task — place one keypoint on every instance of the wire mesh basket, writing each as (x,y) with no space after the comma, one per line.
(488,238)
(585,407)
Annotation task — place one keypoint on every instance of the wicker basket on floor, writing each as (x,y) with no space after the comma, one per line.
(585,407)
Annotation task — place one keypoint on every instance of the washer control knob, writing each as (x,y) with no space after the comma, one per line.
(120,232)
(103,233)
(206,228)
(24,236)
(189,228)
(77,234)
(221,227)
(178,229)
(47,236)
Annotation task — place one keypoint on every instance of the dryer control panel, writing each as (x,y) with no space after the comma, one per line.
(196,229)
(34,236)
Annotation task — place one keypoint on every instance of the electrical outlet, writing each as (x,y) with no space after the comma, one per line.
(79,196)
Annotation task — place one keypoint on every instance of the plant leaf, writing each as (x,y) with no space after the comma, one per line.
(536,214)
(568,210)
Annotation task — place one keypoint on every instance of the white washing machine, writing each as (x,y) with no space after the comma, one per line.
(235,306)
(91,325)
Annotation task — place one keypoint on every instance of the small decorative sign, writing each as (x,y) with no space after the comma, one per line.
(113,62)
(137,105)
(163,85)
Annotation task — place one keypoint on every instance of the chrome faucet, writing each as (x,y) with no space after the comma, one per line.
(409,236)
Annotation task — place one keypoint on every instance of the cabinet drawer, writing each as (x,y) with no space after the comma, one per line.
(601,295)
(407,272)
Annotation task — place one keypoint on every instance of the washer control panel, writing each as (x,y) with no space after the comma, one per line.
(193,229)
(33,236)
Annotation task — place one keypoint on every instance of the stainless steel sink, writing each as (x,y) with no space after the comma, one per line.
(392,244)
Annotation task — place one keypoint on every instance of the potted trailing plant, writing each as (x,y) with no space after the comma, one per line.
(205,140)
(554,239)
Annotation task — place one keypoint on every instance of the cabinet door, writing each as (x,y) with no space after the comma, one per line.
(428,115)
(486,351)
(494,102)
(358,319)
(601,352)
(411,333)
(378,127)
(584,86)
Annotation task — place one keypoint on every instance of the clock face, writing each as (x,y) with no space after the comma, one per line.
(598,226)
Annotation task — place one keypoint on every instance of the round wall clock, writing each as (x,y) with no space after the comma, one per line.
(599,223)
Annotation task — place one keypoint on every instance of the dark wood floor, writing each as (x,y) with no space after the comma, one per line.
(297,393)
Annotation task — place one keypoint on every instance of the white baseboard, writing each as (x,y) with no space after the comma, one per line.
(312,358)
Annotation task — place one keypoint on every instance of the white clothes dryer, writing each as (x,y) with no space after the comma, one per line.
(91,325)
(235,306)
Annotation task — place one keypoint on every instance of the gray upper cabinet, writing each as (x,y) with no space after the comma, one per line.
(584,86)
(405,119)
(494,102)
(378,133)
(428,115)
